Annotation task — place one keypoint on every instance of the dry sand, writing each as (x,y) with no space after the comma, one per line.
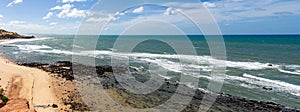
(29,83)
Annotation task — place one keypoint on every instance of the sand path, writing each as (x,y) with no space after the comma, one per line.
(28,83)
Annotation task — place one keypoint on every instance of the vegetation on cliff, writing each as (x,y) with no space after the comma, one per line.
(3,99)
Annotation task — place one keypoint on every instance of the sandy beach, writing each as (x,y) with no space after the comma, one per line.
(31,84)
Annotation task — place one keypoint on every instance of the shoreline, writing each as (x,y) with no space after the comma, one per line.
(65,88)
(84,82)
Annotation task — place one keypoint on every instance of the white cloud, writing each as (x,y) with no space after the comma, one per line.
(171,11)
(26,27)
(251,9)
(49,15)
(63,7)
(232,10)
(71,1)
(74,13)
(102,19)
(237,0)
(89,13)
(209,5)
(94,19)
(121,14)
(16,22)
(223,11)
(1,16)
(53,23)
(138,10)
(22,26)
(14,2)
(67,11)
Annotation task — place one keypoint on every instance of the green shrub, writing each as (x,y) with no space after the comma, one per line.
(4,100)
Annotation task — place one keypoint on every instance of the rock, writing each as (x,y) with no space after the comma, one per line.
(62,68)
(12,35)
(267,88)
(270,65)
(17,105)
(224,102)
(54,106)
(1,90)
(64,63)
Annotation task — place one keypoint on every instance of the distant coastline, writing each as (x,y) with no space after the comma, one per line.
(12,35)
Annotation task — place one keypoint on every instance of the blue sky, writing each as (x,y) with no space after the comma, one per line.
(66,16)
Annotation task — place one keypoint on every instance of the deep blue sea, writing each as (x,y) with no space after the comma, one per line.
(253,61)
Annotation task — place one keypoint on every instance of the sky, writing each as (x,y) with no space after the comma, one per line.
(68,16)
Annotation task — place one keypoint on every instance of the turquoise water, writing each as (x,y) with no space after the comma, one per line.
(253,61)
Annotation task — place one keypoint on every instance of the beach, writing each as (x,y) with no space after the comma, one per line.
(32,89)
(50,57)
(31,84)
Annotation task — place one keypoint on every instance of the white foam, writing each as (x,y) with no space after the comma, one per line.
(32,47)
(249,65)
(190,62)
(165,77)
(169,65)
(203,63)
(199,59)
(56,51)
(76,46)
(290,69)
(279,85)
(296,72)
(293,66)
(22,40)
(112,49)
(43,49)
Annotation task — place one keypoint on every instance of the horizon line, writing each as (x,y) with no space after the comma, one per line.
(270,34)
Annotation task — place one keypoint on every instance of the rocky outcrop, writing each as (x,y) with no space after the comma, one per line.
(17,105)
(224,102)
(12,35)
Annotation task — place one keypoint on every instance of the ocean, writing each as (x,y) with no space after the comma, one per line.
(254,62)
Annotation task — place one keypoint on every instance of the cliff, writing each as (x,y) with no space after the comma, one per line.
(12,35)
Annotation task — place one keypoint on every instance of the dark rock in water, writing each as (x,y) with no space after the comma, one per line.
(62,68)
(267,88)
(8,46)
(27,37)
(270,65)
(63,63)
